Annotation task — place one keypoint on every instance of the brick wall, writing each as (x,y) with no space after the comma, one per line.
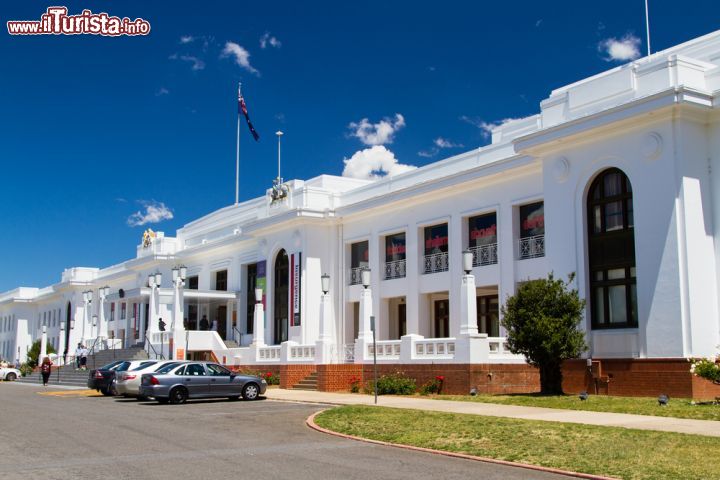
(639,378)
(274,369)
(336,377)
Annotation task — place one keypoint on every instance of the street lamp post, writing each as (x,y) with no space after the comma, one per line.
(179,273)
(92,329)
(154,282)
(468,305)
(87,301)
(61,342)
(103,292)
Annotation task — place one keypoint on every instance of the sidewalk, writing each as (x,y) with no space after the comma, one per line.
(624,420)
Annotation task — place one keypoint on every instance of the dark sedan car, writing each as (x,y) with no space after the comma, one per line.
(177,382)
(102,379)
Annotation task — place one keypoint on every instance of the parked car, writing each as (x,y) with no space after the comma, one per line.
(9,373)
(127,383)
(178,382)
(102,379)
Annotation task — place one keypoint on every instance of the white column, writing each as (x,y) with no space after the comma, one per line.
(178,328)
(102,324)
(323,354)
(468,306)
(152,313)
(61,342)
(43,345)
(259,325)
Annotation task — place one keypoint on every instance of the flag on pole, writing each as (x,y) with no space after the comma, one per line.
(242,108)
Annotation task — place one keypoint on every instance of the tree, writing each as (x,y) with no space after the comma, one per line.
(542,321)
(34,353)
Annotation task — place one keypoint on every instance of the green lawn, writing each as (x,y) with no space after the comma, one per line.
(617,452)
(678,407)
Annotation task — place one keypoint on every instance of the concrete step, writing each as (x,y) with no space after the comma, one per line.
(307,383)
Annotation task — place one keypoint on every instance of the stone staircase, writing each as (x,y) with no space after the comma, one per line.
(231,344)
(69,376)
(307,383)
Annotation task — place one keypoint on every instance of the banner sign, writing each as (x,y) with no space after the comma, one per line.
(261,280)
(295,272)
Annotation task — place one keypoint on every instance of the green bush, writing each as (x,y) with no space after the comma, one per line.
(34,353)
(26,370)
(706,368)
(392,384)
(270,378)
(433,386)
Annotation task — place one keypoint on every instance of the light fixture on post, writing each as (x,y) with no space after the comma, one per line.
(151,280)
(365,276)
(175,273)
(325,283)
(467,260)
(158,279)
(183,272)
(258,295)
(61,346)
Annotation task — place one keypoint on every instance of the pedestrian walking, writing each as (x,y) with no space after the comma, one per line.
(46,370)
(83,358)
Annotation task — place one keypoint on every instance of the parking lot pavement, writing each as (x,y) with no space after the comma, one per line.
(89,437)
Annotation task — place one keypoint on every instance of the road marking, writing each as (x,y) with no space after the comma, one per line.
(72,393)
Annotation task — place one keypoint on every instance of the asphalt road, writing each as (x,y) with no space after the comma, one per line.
(80,437)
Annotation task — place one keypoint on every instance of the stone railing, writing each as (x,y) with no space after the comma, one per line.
(436,262)
(302,353)
(484,254)
(435,348)
(395,269)
(386,349)
(499,350)
(531,247)
(269,354)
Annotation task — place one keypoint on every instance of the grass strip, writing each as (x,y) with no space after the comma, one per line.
(610,451)
(678,407)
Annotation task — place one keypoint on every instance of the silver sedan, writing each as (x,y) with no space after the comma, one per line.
(178,382)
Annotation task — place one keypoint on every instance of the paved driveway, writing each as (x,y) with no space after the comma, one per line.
(70,436)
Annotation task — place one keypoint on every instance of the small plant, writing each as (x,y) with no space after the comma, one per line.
(355,382)
(393,384)
(26,369)
(433,386)
(707,368)
(271,378)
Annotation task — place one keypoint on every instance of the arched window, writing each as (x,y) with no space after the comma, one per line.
(281,297)
(611,246)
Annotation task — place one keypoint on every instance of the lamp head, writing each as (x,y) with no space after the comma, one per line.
(175,273)
(183,272)
(158,278)
(258,295)
(62,326)
(365,276)
(151,280)
(467,259)
(44,329)
(94,320)
(325,283)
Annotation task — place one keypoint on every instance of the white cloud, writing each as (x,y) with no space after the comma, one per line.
(445,143)
(187,39)
(486,128)
(373,163)
(377,133)
(430,152)
(197,64)
(241,56)
(155,212)
(162,91)
(620,50)
(270,40)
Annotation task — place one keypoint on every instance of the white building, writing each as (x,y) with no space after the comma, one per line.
(616,179)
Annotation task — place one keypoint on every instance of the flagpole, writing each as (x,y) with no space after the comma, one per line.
(237,151)
(647,26)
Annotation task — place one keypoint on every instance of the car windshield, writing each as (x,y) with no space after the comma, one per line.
(142,366)
(121,367)
(110,366)
(166,368)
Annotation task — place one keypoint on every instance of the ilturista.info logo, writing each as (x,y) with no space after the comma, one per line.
(56,21)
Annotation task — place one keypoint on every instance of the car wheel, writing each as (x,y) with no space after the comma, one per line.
(106,391)
(11,377)
(250,391)
(234,398)
(178,395)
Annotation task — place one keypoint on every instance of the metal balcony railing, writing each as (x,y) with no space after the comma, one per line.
(436,262)
(394,269)
(356,276)
(532,247)
(484,254)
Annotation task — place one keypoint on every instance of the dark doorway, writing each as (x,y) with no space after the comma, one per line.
(222,321)
(402,320)
(488,320)
(442,318)
(68,327)
(250,298)
(281,298)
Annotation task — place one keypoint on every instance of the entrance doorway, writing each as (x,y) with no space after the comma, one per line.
(281,298)
(221,316)
(442,318)
(402,319)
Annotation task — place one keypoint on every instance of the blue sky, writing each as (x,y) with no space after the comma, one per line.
(95,129)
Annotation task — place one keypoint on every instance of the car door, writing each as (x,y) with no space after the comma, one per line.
(196,381)
(221,381)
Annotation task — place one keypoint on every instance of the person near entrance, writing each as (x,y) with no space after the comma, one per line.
(46,370)
(204,325)
(83,357)
(78,355)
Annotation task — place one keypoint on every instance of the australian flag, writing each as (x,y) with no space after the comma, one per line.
(242,108)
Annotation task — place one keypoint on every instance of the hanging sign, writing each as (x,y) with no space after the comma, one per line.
(295,272)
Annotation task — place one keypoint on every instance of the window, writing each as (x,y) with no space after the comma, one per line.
(179,371)
(217,370)
(192,283)
(123,311)
(395,256)
(166,368)
(436,248)
(359,259)
(112,311)
(195,369)
(532,230)
(143,366)
(488,320)
(482,239)
(611,248)
(221,280)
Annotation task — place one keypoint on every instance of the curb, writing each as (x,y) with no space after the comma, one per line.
(310,422)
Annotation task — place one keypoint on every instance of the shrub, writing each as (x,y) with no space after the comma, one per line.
(355,382)
(271,378)
(34,353)
(706,368)
(542,321)
(392,384)
(26,369)
(433,386)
